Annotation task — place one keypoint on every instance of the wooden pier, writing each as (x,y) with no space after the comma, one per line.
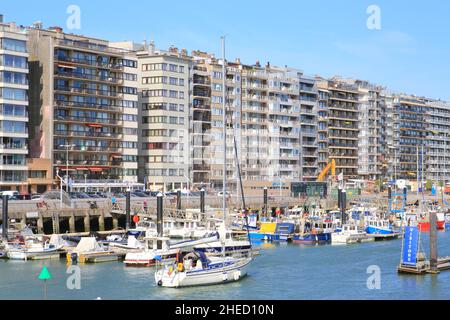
(423,267)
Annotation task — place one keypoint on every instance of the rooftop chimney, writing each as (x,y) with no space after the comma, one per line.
(38,25)
(151,48)
(238,60)
(1,18)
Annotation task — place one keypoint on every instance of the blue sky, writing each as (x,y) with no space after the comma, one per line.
(410,53)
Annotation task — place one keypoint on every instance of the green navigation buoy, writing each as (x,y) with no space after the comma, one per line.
(45,275)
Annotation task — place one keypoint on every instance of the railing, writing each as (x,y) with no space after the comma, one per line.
(61,103)
(89,149)
(88,134)
(88,91)
(80,75)
(88,120)
(91,46)
(93,63)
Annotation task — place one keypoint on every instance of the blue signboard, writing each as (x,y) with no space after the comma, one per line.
(410,246)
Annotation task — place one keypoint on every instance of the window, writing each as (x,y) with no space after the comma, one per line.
(173,68)
(173,94)
(181,95)
(181,107)
(181,82)
(154,80)
(127,90)
(128,63)
(173,81)
(181,121)
(173,120)
(14,62)
(154,93)
(127,104)
(13,77)
(14,126)
(14,94)
(37,174)
(154,66)
(14,45)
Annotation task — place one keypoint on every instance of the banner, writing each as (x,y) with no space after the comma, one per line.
(410,246)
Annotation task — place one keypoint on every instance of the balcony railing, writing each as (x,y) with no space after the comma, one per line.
(94,63)
(61,103)
(80,75)
(88,120)
(88,91)
(88,134)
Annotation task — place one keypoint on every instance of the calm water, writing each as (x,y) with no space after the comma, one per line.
(282,271)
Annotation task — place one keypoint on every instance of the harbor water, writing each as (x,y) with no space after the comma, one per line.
(282,271)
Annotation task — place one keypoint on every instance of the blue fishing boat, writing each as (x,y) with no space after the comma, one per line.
(379,226)
(315,232)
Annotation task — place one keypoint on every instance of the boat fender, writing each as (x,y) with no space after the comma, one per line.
(160,283)
(180,267)
(237,275)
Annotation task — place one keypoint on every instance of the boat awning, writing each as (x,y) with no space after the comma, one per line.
(65,169)
(94,125)
(82,169)
(96,169)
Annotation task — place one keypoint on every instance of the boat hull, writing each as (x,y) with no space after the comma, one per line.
(220,275)
(377,230)
(312,238)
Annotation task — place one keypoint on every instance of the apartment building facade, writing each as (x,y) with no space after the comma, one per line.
(164,102)
(338,124)
(438,141)
(13,107)
(412,131)
(84,100)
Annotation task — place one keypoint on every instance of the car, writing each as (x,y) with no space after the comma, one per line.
(119,196)
(37,197)
(82,195)
(140,194)
(94,196)
(220,194)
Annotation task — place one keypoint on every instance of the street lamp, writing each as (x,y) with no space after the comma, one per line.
(67,146)
(395,162)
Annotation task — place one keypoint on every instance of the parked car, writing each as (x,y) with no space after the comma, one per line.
(139,194)
(228,194)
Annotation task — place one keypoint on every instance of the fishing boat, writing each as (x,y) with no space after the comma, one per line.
(349,233)
(378,226)
(314,232)
(424,222)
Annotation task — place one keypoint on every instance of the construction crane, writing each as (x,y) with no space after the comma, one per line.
(331,166)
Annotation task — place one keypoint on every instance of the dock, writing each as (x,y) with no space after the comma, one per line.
(382,237)
(423,267)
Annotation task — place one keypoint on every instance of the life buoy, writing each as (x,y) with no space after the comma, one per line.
(136,219)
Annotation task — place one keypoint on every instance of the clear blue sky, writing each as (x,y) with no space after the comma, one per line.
(410,53)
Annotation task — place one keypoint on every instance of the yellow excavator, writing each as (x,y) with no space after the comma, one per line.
(331,166)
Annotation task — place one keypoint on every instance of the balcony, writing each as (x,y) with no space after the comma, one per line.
(90,46)
(91,63)
(105,135)
(79,75)
(86,91)
(98,149)
(88,120)
(86,105)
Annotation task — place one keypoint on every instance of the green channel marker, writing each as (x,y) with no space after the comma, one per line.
(45,275)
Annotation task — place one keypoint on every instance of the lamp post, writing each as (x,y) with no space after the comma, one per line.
(67,146)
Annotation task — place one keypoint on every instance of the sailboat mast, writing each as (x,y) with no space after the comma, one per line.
(224,186)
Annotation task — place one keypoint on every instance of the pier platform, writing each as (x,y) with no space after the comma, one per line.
(423,267)
(382,237)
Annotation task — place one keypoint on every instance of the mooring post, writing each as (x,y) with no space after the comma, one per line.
(344,205)
(5,200)
(101,220)
(179,200)
(72,223)
(159,214)
(340,203)
(87,222)
(266,200)
(128,210)
(433,243)
(202,201)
